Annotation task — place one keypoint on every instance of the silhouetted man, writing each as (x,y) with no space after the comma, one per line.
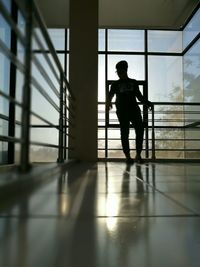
(127,109)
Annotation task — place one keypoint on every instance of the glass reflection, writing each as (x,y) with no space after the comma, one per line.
(126,198)
(63,199)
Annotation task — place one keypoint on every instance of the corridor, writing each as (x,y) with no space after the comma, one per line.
(106,215)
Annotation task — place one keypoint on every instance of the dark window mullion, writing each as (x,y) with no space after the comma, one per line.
(12,90)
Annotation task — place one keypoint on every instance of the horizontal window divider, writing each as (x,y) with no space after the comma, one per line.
(177,103)
(116,127)
(44,126)
(157,149)
(157,139)
(163,103)
(121,53)
(65,52)
(149,53)
(179,54)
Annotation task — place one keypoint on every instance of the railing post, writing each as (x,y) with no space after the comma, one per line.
(153,136)
(60,142)
(25,131)
(65,123)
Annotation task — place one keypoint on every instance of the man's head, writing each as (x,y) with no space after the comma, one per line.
(122,67)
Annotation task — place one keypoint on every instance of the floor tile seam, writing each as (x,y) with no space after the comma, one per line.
(130,192)
(170,198)
(52,217)
(165,195)
(35,217)
(151,216)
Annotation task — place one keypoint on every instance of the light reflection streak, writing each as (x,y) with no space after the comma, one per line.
(112,211)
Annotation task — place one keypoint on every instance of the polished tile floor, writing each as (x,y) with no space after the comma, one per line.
(107,215)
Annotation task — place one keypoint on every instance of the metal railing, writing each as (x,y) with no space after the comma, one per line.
(44,98)
(171,131)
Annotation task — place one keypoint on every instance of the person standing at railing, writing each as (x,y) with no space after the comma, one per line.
(128,110)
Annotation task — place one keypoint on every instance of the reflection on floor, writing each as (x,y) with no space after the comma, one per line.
(107,215)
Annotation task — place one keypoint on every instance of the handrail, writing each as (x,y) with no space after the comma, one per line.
(56,92)
(183,121)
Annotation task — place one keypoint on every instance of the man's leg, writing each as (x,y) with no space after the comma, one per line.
(139,132)
(124,131)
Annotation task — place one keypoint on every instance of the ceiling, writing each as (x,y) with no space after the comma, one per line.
(168,14)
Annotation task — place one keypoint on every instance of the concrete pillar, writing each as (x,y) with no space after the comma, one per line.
(83,76)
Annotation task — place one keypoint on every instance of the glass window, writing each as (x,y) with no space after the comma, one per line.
(191,61)
(68,38)
(58,38)
(191,30)
(165,41)
(165,78)
(3,152)
(21,22)
(37,32)
(135,66)
(41,154)
(4,31)
(126,40)
(101,40)
(101,78)
(46,84)
(7,4)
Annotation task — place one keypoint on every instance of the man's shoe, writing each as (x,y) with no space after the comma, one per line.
(138,159)
(129,160)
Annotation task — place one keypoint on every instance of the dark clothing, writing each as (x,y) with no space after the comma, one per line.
(127,92)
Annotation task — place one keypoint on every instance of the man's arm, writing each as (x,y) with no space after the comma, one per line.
(142,99)
(110,96)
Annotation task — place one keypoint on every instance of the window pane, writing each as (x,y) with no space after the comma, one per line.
(7,4)
(101,40)
(21,22)
(191,62)
(3,152)
(68,38)
(126,40)
(165,78)
(4,31)
(191,30)
(165,41)
(135,66)
(101,78)
(58,38)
